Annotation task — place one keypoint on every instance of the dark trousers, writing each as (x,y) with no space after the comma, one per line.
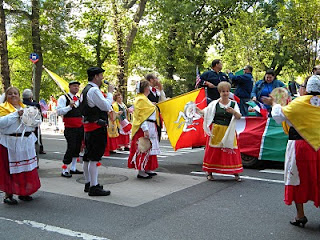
(243,106)
(74,137)
(95,142)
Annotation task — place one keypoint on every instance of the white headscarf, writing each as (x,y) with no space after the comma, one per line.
(313,84)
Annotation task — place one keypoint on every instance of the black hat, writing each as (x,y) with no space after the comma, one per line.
(94,71)
(73,82)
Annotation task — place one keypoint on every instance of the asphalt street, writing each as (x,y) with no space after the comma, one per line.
(179,203)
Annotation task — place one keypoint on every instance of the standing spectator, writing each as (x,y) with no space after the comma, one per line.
(264,87)
(222,154)
(244,85)
(95,108)
(302,162)
(212,78)
(68,107)
(18,159)
(27,96)
(144,125)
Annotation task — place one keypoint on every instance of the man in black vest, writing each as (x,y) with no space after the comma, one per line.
(95,108)
(156,95)
(68,107)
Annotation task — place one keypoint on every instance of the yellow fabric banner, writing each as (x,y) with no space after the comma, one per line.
(63,84)
(305,118)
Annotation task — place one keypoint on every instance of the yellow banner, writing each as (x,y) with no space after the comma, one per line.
(63,84)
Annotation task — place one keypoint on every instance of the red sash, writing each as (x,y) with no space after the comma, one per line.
(89,127)
(72,122)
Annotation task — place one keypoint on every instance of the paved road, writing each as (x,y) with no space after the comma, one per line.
(177,204)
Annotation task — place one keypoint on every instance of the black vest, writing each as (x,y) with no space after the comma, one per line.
(222,117)
(153,98)
(75,112)
(91,114)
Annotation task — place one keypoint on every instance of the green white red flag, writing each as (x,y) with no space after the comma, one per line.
(262,138)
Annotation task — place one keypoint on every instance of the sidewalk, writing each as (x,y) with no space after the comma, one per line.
(126,189)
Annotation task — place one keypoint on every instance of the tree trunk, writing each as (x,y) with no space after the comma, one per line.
(36,44)
(120,52)
(5,71)
(124,50)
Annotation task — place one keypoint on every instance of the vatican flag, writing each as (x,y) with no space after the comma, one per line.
(183,123)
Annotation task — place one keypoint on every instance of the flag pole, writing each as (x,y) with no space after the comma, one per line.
(61,88)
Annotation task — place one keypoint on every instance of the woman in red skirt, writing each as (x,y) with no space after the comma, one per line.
(302,162)
(144,126)
(222,154)
(18,160)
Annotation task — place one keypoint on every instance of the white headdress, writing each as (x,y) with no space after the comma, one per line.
(313,84)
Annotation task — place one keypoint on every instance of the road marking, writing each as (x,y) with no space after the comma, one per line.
(121,158)
(57,139)
(275,171)
(50,228)
(243,177)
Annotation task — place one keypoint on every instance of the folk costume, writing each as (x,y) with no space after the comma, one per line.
(94,110)
(222,154)
(73,132)
(302,162)
(18,160)
(144,118)
(113,132)
(123,125)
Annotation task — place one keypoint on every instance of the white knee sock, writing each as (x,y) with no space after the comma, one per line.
(93,170)
(86,172)
(73,164)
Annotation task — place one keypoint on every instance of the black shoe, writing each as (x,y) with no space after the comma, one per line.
(76,172)
(87,187)
(299,221)
(42,152)
(97,191)
(10,201)
(66,175)
(144,177)
(25,198)
(151,174)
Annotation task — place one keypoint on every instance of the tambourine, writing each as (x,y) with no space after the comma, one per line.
(144,145)
(31,116)
(280,96)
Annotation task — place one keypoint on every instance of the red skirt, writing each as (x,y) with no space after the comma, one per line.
(219,160)
(308,164)
(152,162)
(22,184)
(123,140)
(112,143)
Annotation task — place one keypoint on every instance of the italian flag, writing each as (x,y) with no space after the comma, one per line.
(262,138)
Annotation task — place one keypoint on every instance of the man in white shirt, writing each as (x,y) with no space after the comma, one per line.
(95,108)
(68,107)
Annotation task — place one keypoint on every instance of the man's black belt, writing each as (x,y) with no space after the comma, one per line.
(26,134)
